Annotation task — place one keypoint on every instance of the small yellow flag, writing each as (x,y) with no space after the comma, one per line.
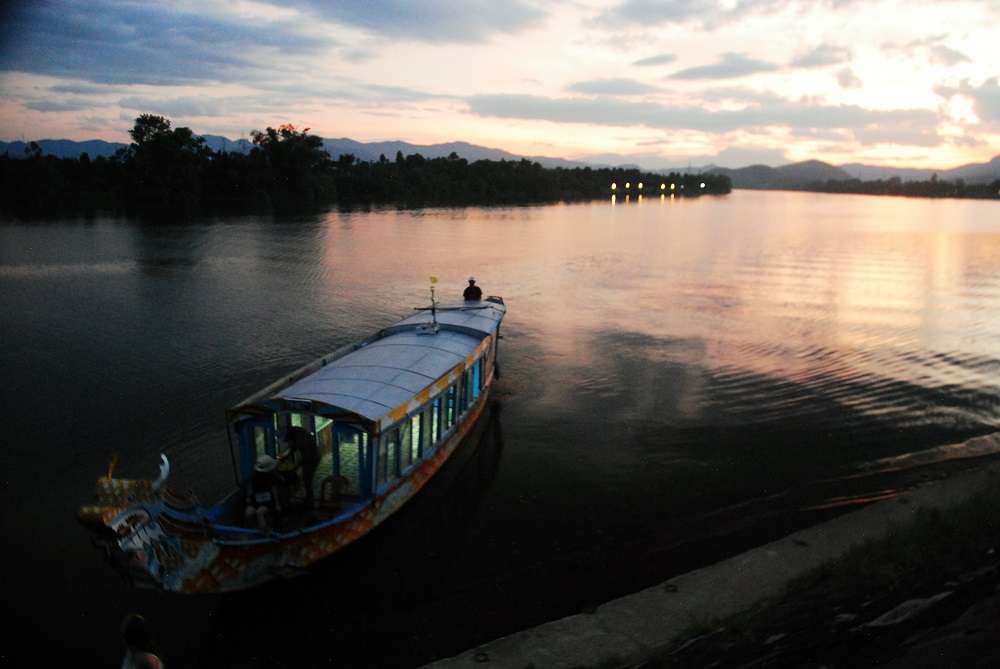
(434,279)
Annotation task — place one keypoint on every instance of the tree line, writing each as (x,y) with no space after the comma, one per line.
(170,171)
(932,187)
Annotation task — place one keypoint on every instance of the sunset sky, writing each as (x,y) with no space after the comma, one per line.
(659,83)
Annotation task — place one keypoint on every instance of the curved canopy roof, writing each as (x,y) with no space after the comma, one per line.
(387,371)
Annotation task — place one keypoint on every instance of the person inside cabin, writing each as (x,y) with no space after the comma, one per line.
(301,448)
(140,652)
(473,292)
(263,500)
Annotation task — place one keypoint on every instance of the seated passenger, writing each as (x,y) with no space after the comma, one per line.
(263,502)
(473,293)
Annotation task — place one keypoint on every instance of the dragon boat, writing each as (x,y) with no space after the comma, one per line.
(384,415)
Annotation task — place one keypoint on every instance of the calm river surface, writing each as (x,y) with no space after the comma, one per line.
(681,379)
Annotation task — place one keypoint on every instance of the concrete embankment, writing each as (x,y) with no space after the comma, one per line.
(628,630)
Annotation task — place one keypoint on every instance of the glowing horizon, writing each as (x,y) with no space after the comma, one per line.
(657,83)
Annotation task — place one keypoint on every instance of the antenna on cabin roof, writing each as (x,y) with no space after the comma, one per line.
(432,327)
(434,319)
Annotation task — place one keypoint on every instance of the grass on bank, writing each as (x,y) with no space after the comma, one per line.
(921,558)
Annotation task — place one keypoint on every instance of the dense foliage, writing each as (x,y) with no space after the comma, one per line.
(933,187)
(170,171)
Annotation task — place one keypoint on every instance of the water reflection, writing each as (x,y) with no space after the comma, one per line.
(660,363)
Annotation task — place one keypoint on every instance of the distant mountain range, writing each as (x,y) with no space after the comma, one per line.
(812,171)
(366,151)
(754,176)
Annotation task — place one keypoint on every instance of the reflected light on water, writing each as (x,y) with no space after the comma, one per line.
(657,361)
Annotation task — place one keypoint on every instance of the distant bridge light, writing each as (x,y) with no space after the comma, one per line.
(640,185)
(614,186)
(663,186)
(672,186)
(702,184)
(627,184)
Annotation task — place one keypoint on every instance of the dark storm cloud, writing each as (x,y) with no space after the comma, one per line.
(729,66)
(611,87)
(869,125)
(116,42)
(427,20)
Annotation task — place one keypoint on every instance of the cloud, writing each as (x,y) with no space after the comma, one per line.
(356,55)
(985,97)
(659,59)
(847,79)
(799,116)
(428,20)
(823,55)
(119,42)
(931,46)
(943,55)
(59,105)
(729,66)
(184,106)
(733,156)
(737,156)
(611,87)
(708,14)
(79,88)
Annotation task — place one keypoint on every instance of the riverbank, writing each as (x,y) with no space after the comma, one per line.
(859,585)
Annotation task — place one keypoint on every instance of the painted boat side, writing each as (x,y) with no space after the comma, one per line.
(240,565)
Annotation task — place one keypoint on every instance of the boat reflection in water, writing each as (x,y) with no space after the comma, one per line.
(383,415)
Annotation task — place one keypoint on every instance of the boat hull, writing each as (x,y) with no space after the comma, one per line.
(156,546)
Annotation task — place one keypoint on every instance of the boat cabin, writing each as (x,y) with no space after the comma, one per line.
(378,409)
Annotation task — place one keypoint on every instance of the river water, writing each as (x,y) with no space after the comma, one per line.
(681,379)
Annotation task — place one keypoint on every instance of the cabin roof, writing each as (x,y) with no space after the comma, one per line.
(480,316)
(386,372)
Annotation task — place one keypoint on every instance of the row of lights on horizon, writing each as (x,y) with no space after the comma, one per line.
(663,186)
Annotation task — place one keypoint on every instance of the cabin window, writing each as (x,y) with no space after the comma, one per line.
(477,379)
(388,457)
(436,420)
(463,393)
(416,441)
(405,445)
(324,446)
(382,459)
(350,453)
(259,441)
(450,407)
